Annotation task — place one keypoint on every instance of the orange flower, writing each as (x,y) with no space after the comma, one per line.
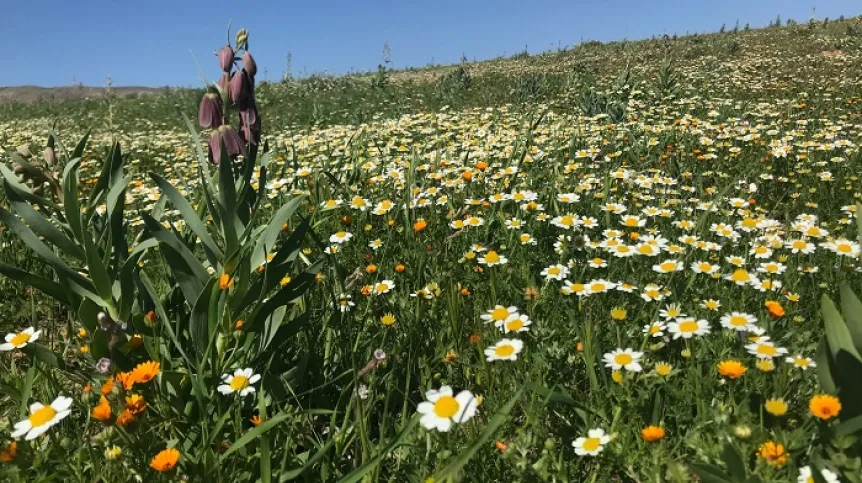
(225,281)
(126,418)
(501,446)
(145,372)
(467,175)
(102,412)
(773,453)
(481,166)
(475,338)
(9,452)
(824,406)
(166,460)
(238,325)
(371,268)
(135,404)
(365,290)
(87,388)
(465,291)
(126,379)
(420,225)
(775,309)
(150,318)
(731,369)
(400,268)
(255,420)
(652,434)
(107,387)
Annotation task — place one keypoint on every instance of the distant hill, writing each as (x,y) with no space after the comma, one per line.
(28,94)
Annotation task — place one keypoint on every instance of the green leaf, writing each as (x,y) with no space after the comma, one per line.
(851,426)
(825,367)
(227,199)
(837,334)
(70,198)
(199,328)
(858,222)
(44,285)
(190,274)
(26,390)
(11,392)
(42,226)
(710,473)
(98,272)
(851,310)
(288,294)
(253,433)
(42,354)
(23,190)
(266,242)
(191,218)
(359,473)
(451,470)
(731,457)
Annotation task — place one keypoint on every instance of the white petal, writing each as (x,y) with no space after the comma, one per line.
(596,433)
(9,337)
(62,403)
(247,373)
(35,407)
(224,389)
(6,347)
(425,407)
(35,335)
(20,431)
(36,432)
(248,390)
(253,379)
(443,424)
(429,420)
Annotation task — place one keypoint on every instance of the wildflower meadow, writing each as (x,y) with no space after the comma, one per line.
(634,261)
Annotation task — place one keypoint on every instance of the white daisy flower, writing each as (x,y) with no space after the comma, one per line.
(505,350)
(738,321)
(21,339)
(515,323)
(42,418)
(441,408)
(340,237)
(240,381)
(593,444)
(688,328)
(499,314)
(626,359)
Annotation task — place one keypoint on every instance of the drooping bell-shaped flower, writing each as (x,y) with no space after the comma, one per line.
(225,58)
(240,89)
(211,111)
(249,120)
(228,136)
(249,65)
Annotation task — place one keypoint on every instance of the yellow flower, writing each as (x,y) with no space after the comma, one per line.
(776,407)
(652,434)
(387,320)
(618,313)
(663,369)
(144,373)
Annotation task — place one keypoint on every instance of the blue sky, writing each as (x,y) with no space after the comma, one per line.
(150,43)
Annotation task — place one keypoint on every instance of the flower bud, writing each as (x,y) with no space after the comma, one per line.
(211,111)
(233,144)
(249,65)
(242,39)
(225,58)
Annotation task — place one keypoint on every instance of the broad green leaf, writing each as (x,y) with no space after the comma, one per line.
(851,310)
(710,473)
(48,287)
(851,426)
(70,198)
(199,328)
(731,457)
(11,392)
(146,286)
(287,294)
(267,240)
(188,270)
(23,409)
(825,367)
(190,217)
(837,334)
(98,271)
(42,354)
(42,226)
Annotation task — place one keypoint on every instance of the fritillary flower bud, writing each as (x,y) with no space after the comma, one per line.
(242,39)
(211,111)
(249,65)
(225,58)
(233,144)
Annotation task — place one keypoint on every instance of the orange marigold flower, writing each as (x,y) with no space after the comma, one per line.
(775,309)
(102,412)
(135,404)
(238,325)
(107,387)
(9,452)
(87,388)
(225,281)
(371,268)
(501,446)
(773,453)
(652,434)
(824,406)
(145,372)
(731,369)
(255,420)
(481,165)
(150,318)
(475,338)
(467,175)
(365,290)
(166,460)
(400,268)
(420,225)
(126,418)
(126,379)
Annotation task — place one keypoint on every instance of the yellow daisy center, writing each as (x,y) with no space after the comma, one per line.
(20,338)
(646,249)
(42,416)
(592,444)
(738,321)
(554,271)
(766,350)
(500,313)
(238,383)
(623,359)
(505,350)
(381,287)
(844,248)
(492,257)
(740,276)
(688,326)
(446,407)
(515,325)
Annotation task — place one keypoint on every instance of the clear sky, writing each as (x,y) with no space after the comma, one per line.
(150,43)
